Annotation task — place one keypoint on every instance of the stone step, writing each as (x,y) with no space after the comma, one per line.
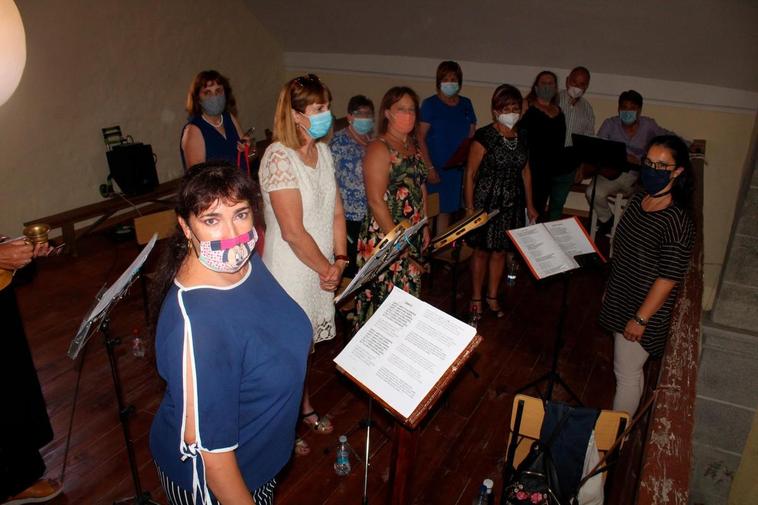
(729,339)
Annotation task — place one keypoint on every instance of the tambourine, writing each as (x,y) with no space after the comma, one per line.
(461,228)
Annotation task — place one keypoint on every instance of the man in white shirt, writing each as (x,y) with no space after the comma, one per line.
(580,118)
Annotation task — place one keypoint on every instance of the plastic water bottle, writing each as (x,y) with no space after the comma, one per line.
(481,498)
(489,484)
(342,463)
(511,272)
(138,344)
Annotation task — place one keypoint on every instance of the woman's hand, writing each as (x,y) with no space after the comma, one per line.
(244,142)
(633,331)
(434,177)
(42,249)
(532,213)
(330,280)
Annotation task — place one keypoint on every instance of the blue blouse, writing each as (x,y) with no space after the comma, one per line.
(348,168)
(248,344)
(217,147)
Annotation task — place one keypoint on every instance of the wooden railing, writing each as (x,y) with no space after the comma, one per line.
(655,466)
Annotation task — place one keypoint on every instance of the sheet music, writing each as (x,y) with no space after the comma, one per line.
(107,297)
(543,255)
(404,349)
(549,248)
(380,260)
(570,237)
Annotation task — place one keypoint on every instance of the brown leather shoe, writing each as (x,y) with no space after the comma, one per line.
(41,491)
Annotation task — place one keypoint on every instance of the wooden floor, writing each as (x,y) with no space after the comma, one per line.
(461,442)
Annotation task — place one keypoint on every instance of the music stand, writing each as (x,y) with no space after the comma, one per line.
(98,320)
(553,376)
(452,236)
(388,250)
(601,153)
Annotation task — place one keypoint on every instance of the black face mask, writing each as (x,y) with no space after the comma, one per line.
(654,180)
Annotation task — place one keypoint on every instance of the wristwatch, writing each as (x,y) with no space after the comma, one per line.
(640,320)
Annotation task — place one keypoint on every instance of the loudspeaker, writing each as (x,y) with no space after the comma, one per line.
(132,166)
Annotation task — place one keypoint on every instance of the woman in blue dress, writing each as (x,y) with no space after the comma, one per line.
(212,132)
(447,120)
(232,347)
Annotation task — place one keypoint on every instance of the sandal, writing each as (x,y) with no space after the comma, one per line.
(322,424)
(301,447)
(495,307)
(474,311)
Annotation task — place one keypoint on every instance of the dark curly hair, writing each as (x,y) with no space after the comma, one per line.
(202,185)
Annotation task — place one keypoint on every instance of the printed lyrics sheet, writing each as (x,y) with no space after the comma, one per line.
(404,349)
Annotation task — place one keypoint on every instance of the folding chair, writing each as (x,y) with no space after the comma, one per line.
(526,422)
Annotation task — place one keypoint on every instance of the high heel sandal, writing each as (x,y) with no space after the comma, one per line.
(495,307)
(474,311)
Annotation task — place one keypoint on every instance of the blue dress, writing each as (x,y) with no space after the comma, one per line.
(217,147)
(449,127)
(248,345)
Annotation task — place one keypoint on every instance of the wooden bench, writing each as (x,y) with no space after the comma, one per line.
(105,212)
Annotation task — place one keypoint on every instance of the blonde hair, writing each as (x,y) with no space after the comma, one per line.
(297,94)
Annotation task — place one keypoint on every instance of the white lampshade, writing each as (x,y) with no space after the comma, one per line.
(12,49)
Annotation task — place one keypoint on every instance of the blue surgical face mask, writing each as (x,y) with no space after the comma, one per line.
(628,116)
(449,88)
(363,125)
(213,105)
(320,124)
(653,181)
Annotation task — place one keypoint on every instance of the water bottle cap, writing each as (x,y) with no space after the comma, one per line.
(488,483)
(343,439)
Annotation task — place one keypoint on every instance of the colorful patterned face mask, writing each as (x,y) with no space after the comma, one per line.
(227,255)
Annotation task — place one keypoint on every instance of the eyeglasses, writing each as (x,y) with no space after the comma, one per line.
(658,165)
(307,79)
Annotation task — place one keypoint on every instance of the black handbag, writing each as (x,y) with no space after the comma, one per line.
(535,481)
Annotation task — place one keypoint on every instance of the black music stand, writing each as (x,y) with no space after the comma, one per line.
(553,376)
(98,321)
(452,237)
(601,153)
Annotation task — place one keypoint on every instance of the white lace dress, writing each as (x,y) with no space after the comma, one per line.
(281,168)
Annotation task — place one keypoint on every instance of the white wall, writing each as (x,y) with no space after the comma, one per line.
(723,117)
(98,63)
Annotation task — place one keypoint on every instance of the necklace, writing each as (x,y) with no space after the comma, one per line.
(220,121)
(511,143)
(404,143)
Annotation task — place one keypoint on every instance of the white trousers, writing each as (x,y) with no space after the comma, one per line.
(624,183)
(628,360)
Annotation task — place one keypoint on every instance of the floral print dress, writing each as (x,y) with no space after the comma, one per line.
(405,201)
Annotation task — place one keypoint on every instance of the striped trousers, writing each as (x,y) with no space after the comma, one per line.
(176,495)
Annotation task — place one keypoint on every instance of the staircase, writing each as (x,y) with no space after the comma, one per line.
(727,387)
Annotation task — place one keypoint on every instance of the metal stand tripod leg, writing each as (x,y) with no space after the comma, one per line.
(552,377)
(124,413)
